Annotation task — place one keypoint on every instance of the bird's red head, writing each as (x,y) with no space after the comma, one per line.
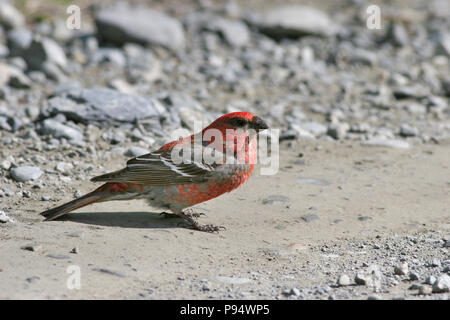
(239,120)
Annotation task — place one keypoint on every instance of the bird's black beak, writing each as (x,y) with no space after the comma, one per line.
(259,124)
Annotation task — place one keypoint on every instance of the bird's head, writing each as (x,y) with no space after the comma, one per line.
(239,120)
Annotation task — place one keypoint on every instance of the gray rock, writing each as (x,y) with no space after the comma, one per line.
(135,152)
(408,131)
(4,218)
(102,105)
(44,50)
(363,280)
(6,164)
(344,280)
(112,55)
(443,46)
(399,34)
(32,279)
(13,76)
(430,280)
(442,284)
(378,142)
(122,24)
(232,280)
(309,217)
(10,17)
(315,128)
(32,247)
(372,278)
(57,256)
(295,21)
(59,130)
(408,92)
(75,250)
(19,40)
(276,198)
(338,130)
(110,272)
(413,276)
(63,167)
(402,269)
(235,33)
(25,173)
(425,290)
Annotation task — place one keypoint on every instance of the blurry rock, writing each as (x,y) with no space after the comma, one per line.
(43,50)
(378,142)
(235,33)
(338,130)
(442,284)
(19,40)
(63,167)
(344,280)
(276,199)
(10,17)
(25,173)
(13,76)
(443,46)
(4,218)
(112,55)
(317,129)
(408,131)
(121,85)
(295,21)
(309,217)
(59,130)
(399,34)
(402,269)
(365,57)
(122,24)
(102,104)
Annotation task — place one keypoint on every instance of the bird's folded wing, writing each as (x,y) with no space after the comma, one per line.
(157,168)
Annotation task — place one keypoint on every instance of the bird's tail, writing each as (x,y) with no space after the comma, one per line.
(89,198)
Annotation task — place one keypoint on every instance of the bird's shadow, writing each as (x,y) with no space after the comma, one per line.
(125,219)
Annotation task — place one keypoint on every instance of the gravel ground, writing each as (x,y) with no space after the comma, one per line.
(358,108)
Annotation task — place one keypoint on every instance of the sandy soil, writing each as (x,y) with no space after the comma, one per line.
(126,250)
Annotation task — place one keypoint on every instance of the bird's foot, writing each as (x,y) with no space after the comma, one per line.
(202,227)
(207,227)
(191,213)
(192,224)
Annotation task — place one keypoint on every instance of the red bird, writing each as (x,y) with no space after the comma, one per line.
(168,183)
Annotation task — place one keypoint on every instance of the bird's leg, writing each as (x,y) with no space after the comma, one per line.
(197,226)
(191,213)
(169,215)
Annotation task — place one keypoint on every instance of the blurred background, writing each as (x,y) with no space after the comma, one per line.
(128,73)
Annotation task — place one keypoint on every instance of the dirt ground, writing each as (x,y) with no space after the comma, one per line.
(338,201)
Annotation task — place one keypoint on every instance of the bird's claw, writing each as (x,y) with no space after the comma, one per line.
(203,227)
(190,213)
